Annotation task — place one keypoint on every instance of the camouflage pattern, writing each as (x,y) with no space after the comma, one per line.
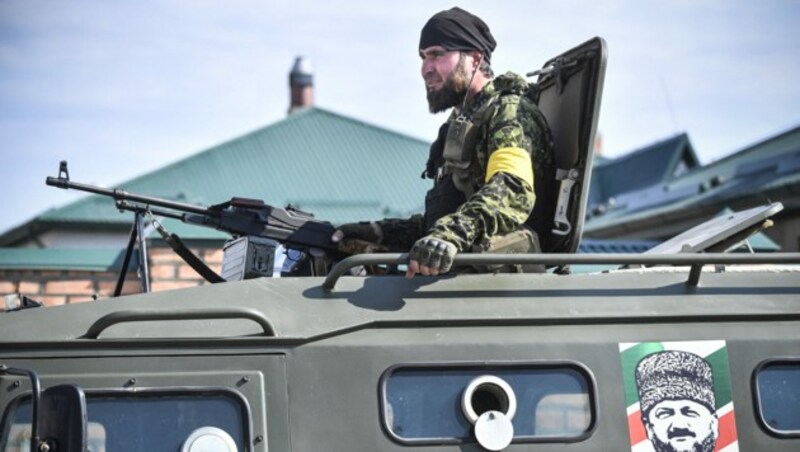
(504,203)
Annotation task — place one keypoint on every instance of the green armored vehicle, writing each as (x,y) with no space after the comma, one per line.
(683,348)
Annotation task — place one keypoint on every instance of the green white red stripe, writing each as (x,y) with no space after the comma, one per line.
(715,352)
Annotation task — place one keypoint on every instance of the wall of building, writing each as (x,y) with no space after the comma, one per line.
(168,271)
(58,287)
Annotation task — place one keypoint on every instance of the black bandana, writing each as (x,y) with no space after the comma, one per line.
(456,29)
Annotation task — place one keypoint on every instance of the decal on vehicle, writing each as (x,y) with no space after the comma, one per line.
(678,396)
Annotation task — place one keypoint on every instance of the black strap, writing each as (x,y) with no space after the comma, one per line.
(199,266)
(126,261)
(183,251)
(435,156)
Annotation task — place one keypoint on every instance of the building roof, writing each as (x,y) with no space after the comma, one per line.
(766,170)
(758,241)
(594,246)
(96,259)
(338,168)
(657,163)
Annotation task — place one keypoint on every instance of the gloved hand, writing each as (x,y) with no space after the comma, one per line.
(430,256)
(357,238)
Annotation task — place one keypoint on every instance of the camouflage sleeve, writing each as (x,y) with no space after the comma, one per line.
(504,203)
(500,206)
(400,234)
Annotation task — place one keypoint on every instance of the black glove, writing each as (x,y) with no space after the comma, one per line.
(359,238)
(431,256)
(368,231)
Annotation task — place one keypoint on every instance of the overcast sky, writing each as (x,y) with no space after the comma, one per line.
(120,88)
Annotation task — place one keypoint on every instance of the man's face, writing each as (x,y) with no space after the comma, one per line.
(445,75)
(682,426)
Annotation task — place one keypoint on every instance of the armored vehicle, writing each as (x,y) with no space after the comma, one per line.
(683,348)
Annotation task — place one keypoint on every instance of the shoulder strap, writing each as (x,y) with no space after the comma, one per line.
(459,146)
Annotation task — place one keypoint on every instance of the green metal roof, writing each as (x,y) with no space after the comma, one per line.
(338,168)
(98,259)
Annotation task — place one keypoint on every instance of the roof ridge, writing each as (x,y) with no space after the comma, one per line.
(297,115)
(678,139)
(228,142)
(159,181)
(752,147)
(369,125)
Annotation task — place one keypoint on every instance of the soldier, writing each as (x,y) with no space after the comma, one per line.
(676,393)
(484,163)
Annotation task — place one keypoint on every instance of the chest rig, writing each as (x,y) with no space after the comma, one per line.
(453,163)
(459,154)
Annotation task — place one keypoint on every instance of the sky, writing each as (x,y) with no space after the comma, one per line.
(120,88)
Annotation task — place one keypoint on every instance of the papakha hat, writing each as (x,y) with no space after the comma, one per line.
(674,375)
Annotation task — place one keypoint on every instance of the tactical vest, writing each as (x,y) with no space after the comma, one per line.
(457,175)
(453,164)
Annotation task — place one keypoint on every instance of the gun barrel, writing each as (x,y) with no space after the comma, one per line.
(238,217)
(122,195)
(206,220)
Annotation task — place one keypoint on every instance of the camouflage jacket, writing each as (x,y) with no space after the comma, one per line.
(505,202)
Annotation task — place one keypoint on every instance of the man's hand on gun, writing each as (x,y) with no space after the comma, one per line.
(359,238)
(430,256)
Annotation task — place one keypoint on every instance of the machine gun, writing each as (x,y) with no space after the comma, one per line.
(256,227)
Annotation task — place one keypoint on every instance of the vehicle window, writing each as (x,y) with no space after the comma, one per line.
(424,404)
(143,421)
(778,391)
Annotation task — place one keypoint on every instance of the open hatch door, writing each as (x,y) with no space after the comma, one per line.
(570,88)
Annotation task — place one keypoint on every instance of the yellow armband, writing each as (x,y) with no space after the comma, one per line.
(514,161)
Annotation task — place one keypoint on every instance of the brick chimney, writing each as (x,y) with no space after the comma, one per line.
(301,85)
(598,145)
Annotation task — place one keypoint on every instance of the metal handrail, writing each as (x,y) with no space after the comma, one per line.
(694,260)
(147,315)
(36,399)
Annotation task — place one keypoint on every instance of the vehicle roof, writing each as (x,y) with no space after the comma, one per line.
(300,310)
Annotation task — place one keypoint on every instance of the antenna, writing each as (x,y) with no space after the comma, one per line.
(668,100)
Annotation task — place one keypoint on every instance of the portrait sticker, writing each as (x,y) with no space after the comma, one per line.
(678,396)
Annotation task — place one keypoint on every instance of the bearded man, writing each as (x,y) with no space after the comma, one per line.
(676,393)
(494,146)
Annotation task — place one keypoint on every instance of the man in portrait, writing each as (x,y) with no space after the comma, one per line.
(676,393)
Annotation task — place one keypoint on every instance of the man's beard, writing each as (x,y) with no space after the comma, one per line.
(452,91)
(707,445)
